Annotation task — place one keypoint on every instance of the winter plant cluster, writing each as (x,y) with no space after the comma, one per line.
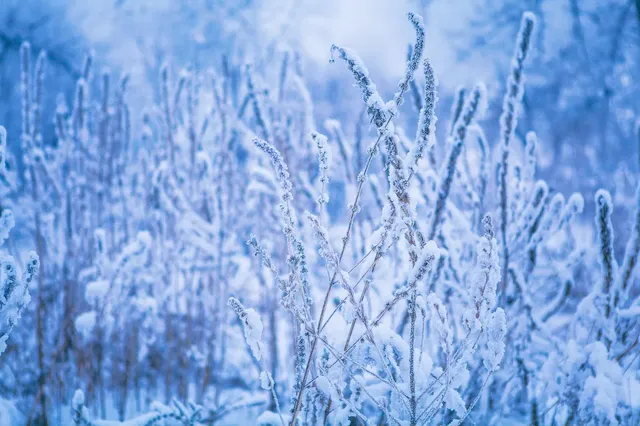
(203,258)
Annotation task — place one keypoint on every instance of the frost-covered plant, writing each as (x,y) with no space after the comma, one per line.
(73,187)
(253,327)
(378,371)
(14,287)
(442,291)
(587,379)
(122,311)
(421,357)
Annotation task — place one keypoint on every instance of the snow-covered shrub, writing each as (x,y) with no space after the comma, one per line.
(410,362)
(443,294)
(417,280)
